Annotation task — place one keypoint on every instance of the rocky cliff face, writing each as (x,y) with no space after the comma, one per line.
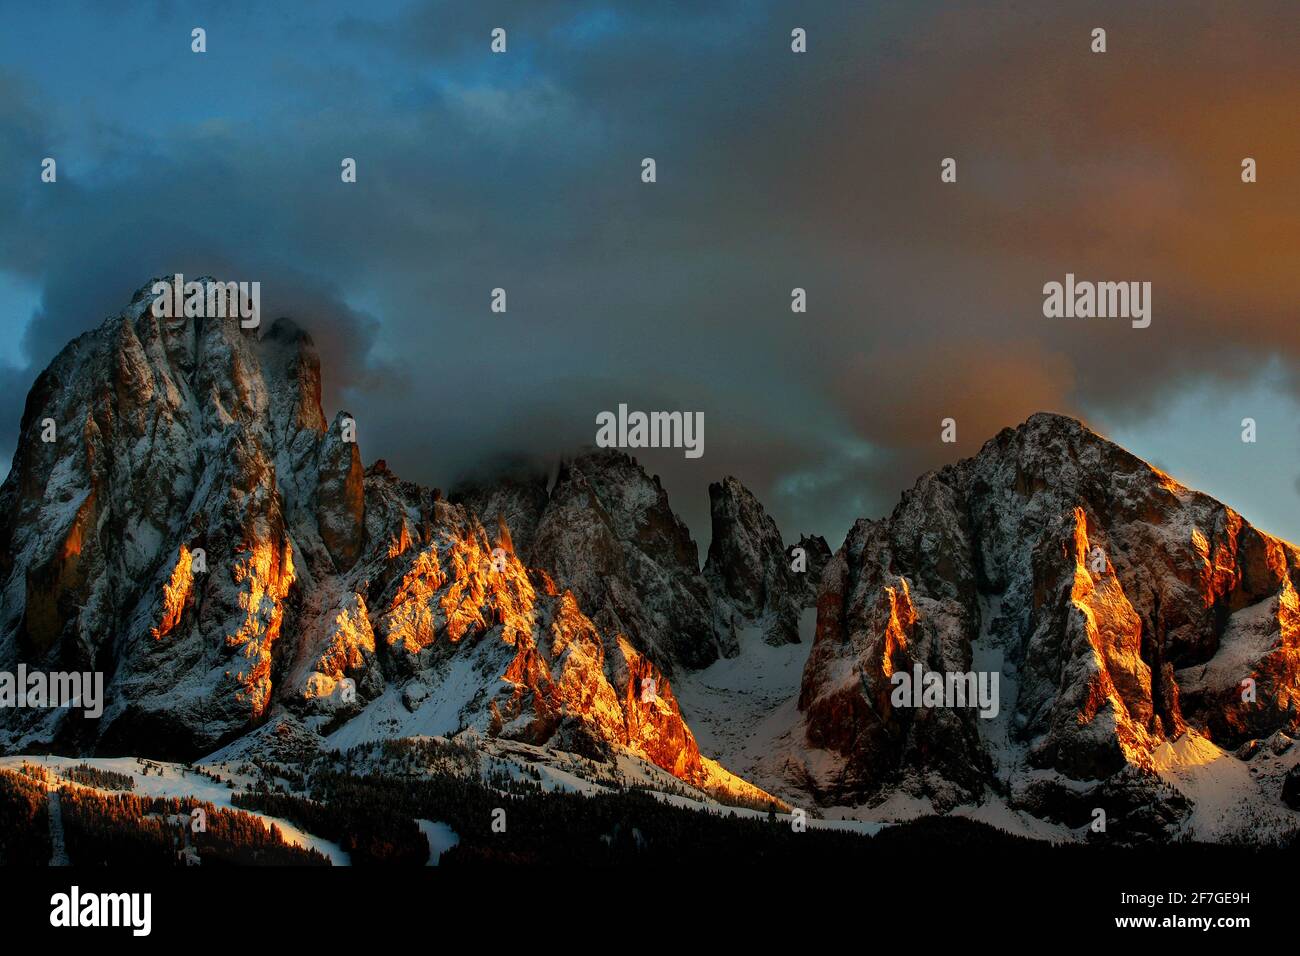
(1118,607)
(147,522)
(606,531)
(748,569)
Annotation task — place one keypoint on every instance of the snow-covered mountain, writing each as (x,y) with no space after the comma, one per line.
(199,532)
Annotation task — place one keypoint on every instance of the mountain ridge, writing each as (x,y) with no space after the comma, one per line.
(342,603)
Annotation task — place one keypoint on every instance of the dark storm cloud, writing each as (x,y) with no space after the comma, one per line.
(775,171)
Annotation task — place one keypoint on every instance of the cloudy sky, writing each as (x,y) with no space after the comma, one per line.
(775,170)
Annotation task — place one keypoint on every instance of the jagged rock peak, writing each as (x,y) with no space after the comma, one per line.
(1122,608)
(751,575)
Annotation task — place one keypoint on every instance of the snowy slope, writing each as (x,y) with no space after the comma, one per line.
(175,781)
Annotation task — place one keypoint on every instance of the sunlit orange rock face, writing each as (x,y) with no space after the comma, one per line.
(1106,686)
(1120,608)
(264,573)
(653,720)
(449,593)
(176,594)
(348,649)
(1262,645)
